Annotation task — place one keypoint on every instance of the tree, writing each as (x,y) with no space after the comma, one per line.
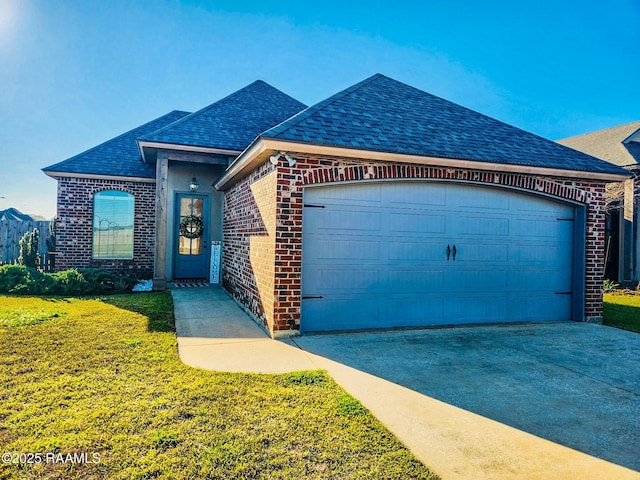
(29,243)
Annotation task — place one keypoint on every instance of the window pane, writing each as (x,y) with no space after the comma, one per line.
(113,225)
(192,224)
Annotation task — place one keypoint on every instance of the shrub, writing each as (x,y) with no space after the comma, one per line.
(23,280)
(71,282)
(29,256)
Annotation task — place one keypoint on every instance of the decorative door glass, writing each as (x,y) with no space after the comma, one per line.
(191,225)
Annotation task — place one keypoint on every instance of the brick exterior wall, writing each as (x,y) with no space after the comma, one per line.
(243,221)
(74,225)
(249,239)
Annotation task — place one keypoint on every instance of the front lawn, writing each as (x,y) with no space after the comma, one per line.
(622,311)
(101,379)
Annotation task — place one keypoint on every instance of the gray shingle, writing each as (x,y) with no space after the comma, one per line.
(119,156)
(233,122)
(608,145)
(383,114)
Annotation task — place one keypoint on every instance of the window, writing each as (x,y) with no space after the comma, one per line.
(113,225)
(191,226)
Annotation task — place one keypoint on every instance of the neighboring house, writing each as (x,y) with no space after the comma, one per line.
(382,206)
(620,146)
(13,225)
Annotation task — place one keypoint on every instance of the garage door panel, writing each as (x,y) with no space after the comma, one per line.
(539,308)
(355,279)
(362,194)
(481,253)
(415,195)
(541,255)
(540,205)
(482,225)
(475,280)
(341,314)
(320,249)
(347,220)
(548,281)
(416,223)
(542,228)
(379,256)
(414,311)
(477,198)
(476,308)
(415,281)
(409,252)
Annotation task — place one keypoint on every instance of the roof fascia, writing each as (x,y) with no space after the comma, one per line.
(264,147)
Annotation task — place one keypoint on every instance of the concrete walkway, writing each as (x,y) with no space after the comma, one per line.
(214,333)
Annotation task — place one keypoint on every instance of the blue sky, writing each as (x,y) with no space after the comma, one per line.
(76,73)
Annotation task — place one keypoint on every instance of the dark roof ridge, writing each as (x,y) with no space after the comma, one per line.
(307,112)
(51,168)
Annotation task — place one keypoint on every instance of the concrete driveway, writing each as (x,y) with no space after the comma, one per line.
(484,403)
(574,384)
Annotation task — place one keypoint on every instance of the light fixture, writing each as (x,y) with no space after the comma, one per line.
(193,186)
(274,159)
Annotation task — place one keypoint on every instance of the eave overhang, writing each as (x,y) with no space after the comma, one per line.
(149,149)
(57,175)
(262,148)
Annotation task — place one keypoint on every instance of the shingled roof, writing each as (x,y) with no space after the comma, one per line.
(15,215)
(611,144)
(233,122)
(384,115)
(119,156)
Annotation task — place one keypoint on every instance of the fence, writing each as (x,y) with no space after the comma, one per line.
(11,231)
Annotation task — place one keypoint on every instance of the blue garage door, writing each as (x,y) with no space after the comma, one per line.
(393,254)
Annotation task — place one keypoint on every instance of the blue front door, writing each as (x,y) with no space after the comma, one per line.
(192,236)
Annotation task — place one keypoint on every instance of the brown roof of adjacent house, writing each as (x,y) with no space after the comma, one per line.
(615,144)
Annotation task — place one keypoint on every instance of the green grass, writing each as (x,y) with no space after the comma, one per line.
(622,311)
(103,377)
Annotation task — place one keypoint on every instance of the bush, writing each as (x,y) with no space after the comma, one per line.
(29,256)
(71,282)
(23,280)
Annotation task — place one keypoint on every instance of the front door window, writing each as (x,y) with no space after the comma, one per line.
(191,225)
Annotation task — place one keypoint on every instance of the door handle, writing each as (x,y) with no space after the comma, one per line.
(455,250)
(448,252)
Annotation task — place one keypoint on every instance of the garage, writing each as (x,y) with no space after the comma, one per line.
(424,253)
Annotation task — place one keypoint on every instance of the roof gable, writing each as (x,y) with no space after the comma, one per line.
(382,114)
(617,145)
(119,156)
(233,122)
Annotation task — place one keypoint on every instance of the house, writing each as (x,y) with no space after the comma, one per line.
(620,146)
(381,206)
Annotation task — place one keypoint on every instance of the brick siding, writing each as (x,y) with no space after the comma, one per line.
(244,221)
(74,225)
